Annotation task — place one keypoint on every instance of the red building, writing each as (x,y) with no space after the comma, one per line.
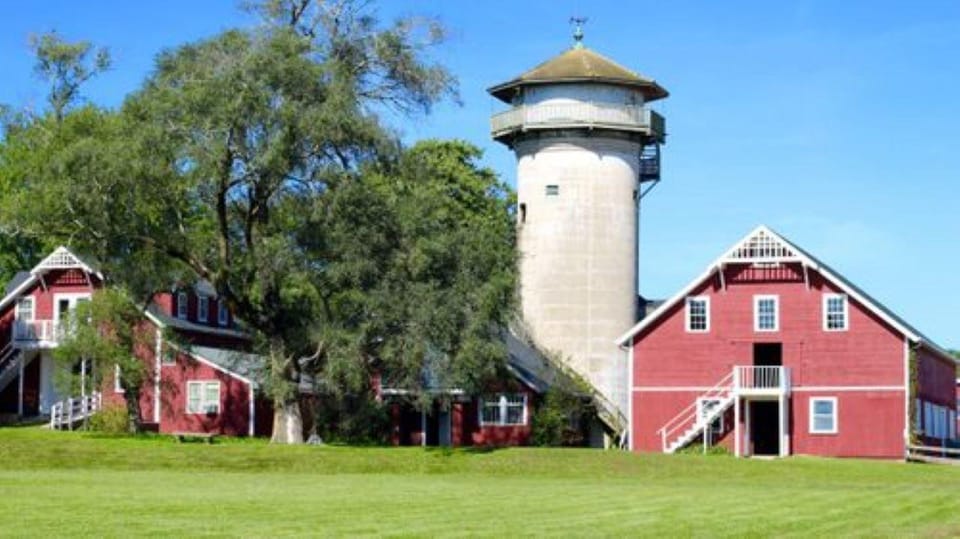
(771,352)
(200,378)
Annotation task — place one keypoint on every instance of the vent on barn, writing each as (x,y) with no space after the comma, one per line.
(762,246)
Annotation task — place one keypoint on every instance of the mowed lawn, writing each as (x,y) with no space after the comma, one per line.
(74,484)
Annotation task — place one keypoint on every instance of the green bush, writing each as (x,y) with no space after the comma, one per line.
(696,448)
(561,420)
(112,419)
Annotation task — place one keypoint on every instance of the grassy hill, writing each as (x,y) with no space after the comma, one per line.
(57,484)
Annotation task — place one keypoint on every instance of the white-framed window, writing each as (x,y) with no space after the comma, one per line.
(836,316)
(504,409)
(704,407)
(203,397)
(182,305)
(698,314)
(117,386)
(766,313)
(203,308)
(928,418)
(823,415)
(25,309)
(223,316)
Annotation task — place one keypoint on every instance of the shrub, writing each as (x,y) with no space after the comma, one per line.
(112,419)
(561,420)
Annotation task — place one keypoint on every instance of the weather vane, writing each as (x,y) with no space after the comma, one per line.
(578,31)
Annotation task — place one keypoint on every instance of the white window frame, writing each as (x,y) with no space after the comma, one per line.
(183,306)
(203,308)
(706,311)
(719,421)
(117,386)
(776,312)
(204,407)
(503,404)
(846,312)
(835,414)
(33,308)
(223,315)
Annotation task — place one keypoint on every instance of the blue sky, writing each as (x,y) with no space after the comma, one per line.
(832,122)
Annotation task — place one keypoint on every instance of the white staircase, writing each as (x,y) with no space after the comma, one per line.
(8,364)
(66,413)
(693,421)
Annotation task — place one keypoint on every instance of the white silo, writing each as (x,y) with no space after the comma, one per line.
(587,148)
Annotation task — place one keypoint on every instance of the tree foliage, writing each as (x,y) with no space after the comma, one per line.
(106,333)
(256,159)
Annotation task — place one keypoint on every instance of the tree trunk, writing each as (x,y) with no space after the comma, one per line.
(287,423)
(132,399)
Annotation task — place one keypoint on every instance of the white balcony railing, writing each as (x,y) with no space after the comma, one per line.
(761,379)
(560,115)
(37,331)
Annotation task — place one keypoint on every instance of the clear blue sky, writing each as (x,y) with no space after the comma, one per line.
(834,123)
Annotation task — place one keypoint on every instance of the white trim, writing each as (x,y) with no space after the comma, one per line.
(203,308)
(157,364)
(906,394)
(846,312)
(756,312)
(251,427)
(835,412)
(117,386)
(630,359)
(800,389)
(686,316)
(203,396)
(183,304)
(213,365)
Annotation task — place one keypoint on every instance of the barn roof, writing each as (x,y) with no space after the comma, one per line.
(764,246)
(156,313)
(246,366)
(60,258)
(580,65)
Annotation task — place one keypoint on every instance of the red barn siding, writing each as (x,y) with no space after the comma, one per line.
(870,353)
(234,415)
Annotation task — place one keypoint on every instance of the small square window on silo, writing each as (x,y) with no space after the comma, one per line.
(553,190)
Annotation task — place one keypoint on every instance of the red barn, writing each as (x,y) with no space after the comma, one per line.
(771,352)
(201,378)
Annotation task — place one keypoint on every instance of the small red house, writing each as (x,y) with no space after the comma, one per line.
(201,381)
(500,416)
(771,352)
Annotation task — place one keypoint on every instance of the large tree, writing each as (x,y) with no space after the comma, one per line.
(256,160)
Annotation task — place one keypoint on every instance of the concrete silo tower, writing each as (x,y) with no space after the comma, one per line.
(588,148)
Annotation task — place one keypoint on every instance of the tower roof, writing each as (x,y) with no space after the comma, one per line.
(580,64)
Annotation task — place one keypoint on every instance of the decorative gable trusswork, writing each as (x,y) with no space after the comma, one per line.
(761,246)
(62,258)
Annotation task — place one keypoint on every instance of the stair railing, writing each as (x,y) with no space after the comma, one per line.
(689,415)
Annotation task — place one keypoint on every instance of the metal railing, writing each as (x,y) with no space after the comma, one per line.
(628,117)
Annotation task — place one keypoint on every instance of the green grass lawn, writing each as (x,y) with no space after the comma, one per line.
(73,484)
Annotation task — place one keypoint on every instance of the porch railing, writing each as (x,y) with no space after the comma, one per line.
(552,115)
(65,413)
(37,331)
(761,378)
